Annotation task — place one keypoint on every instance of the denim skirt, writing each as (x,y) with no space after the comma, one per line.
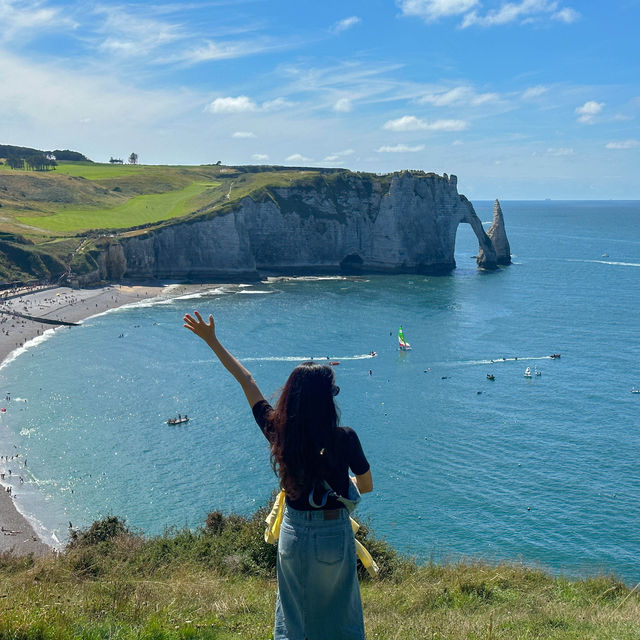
(318,592)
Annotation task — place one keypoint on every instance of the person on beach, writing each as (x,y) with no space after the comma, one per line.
(318,592)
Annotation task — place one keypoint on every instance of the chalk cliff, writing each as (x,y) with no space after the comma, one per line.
(404,222)
(498,236)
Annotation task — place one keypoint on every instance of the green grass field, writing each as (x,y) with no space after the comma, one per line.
(137,211)
(98,171)
(90,170)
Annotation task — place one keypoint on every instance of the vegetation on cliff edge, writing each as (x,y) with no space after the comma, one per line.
(219,582)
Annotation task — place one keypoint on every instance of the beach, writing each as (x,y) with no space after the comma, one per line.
(54,303)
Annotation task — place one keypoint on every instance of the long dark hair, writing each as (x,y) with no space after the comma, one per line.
(305,422)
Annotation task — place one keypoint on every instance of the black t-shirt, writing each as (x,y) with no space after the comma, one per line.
(348,454)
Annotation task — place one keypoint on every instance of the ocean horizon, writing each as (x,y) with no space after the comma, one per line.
(539,470)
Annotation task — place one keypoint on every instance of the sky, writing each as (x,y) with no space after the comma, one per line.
(528,99)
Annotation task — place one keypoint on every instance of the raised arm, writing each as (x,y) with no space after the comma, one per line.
(207,331)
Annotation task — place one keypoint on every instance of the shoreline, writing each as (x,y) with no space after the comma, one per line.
(17,535)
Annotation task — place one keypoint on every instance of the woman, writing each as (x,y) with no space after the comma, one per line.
(318,593)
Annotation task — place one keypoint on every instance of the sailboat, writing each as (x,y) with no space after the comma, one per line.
(527,372)
(403,345)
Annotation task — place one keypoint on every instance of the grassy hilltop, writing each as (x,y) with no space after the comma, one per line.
(219,582)
(52,222)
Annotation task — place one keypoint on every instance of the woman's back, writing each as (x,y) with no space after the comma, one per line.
(345,453)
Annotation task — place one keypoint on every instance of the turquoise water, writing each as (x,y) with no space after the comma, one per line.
(543,470)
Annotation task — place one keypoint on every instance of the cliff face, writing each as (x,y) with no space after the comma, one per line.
(402,223)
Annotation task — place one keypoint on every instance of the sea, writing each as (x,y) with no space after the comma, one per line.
(542,471)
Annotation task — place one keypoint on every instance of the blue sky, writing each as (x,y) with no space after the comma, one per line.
(522,99)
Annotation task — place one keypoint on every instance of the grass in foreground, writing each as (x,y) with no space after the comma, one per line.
(219,583)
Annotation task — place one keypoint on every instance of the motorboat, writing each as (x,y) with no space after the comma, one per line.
(178,420)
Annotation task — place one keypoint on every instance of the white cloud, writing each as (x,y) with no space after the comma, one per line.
(588,111)
(400,148)
(432,10)
(343,105)
(534,92)
(244,104)
(260,157)
(244,134)
(297,157)
(211,50)
(406,123)
(444,98)
(525,11)
(458,95)
(241,104)
(447,125)
(560,151)
(343,25)
(24,19)
(278,103)
(126,34)
(484,98)
(623,144)
(411,123)
(567,15)
(338,155)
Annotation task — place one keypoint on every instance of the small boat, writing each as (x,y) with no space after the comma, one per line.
(538,373)
(178,420)
(634,390)
(3,410)
(334,363)
(403,345)
(490,376)
(554,355)
(527,372)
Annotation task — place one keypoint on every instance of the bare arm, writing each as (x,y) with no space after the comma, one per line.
(207,331)
(364,482)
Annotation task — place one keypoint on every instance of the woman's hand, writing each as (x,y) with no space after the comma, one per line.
(204,330)
(207,331)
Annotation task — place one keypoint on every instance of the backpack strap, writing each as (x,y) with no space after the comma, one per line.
(328,492)
(350,503)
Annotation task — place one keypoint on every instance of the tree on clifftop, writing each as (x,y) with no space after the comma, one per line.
(32,162)
(133,158)
(15,162)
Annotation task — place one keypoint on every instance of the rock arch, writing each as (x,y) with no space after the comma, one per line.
(486,258)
